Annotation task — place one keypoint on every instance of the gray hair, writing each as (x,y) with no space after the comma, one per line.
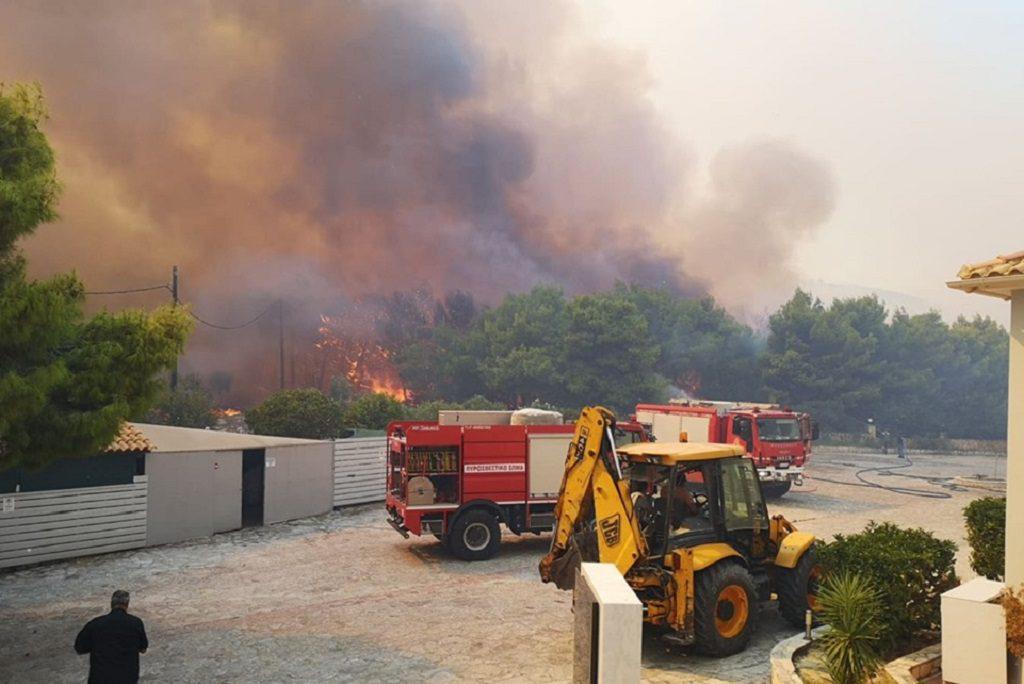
(119,599)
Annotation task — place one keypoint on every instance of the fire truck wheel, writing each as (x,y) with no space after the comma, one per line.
(798,587)
(774,490)
(725,609)
(475,535)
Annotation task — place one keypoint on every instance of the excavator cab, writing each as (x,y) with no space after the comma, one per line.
(686,524)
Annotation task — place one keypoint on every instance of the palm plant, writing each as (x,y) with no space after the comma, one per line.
(851,607)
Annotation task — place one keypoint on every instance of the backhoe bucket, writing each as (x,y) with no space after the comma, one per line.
(562,570)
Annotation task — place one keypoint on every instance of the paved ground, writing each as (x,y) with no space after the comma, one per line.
(342,597)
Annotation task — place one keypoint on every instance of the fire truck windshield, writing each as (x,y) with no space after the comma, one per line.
(778,429)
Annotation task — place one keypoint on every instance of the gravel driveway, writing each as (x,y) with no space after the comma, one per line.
(341,597)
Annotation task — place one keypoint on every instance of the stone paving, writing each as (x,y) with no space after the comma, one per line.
(341,597)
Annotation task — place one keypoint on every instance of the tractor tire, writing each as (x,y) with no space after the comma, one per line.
(725,609)
(797,588)
(475,535)
(775,490)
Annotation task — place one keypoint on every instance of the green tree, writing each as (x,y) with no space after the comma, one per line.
(67,382)
(187,405)
(520,347)
(974,382)
(306,413)
(404,318)
(28,174)
(702,349)
(608,354)
(914,352)
(374,411)
(435,358)
(827,360)
(915,375)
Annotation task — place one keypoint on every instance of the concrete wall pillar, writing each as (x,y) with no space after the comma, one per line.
(1015,447)
(607,627)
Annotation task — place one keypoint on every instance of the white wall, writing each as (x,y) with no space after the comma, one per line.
(193,494)
(360,470)
(63,523)
(1015,447)
(299,481)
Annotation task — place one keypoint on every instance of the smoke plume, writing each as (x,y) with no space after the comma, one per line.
(322,152)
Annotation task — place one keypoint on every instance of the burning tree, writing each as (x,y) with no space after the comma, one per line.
(360,358)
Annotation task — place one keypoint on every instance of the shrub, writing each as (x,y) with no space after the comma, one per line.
(1013,606)
(852,609)
(304,413)
(374,411)
(910,568)
(986,533)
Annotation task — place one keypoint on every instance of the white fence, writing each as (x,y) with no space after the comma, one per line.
(61,523)
(359,470)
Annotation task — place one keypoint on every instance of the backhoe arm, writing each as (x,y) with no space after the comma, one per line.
(593,491)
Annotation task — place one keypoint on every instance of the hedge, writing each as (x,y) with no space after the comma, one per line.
(910,568)
(986,533)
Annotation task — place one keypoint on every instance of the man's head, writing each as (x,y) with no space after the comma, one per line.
(119,599)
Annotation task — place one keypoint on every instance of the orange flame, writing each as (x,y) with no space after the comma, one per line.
(364,362)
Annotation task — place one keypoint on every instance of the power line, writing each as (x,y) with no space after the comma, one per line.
(234,327)
(139,289)
(173,289)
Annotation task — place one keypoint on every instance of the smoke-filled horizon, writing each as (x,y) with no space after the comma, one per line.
(324,153)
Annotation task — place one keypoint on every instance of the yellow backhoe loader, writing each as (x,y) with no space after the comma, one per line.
(686,525)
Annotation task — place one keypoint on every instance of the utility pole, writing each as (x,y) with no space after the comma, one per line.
(280,338)
(174,302)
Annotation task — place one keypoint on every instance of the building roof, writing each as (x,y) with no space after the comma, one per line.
(996,277)
(170,439)
(129,439)
(670,453)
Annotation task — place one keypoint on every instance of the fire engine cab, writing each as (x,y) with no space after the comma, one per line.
(462,477)
(776,438)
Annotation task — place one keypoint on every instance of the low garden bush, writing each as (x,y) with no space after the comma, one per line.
(1013,607)
(986,533)
(852,609)
(910,568)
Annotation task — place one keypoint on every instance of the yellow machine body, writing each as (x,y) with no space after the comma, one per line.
(595,505)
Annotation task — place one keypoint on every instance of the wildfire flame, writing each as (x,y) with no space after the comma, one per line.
(364,362)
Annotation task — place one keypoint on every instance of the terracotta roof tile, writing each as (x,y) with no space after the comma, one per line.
(129,438)
(1005,265)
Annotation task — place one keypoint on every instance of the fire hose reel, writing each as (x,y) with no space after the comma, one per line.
(421,491)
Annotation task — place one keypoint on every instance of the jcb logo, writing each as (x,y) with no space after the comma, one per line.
(577,449)
(610,528)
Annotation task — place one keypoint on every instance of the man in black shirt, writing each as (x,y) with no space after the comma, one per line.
(113,642)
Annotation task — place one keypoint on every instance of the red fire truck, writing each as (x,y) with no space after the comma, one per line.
(776,438)
(461,477)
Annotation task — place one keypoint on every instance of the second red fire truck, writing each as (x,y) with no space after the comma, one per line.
(777,439)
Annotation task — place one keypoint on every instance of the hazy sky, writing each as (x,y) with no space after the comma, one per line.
(689,143)
(916,106)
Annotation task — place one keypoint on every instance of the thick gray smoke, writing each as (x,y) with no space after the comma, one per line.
(323,152)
